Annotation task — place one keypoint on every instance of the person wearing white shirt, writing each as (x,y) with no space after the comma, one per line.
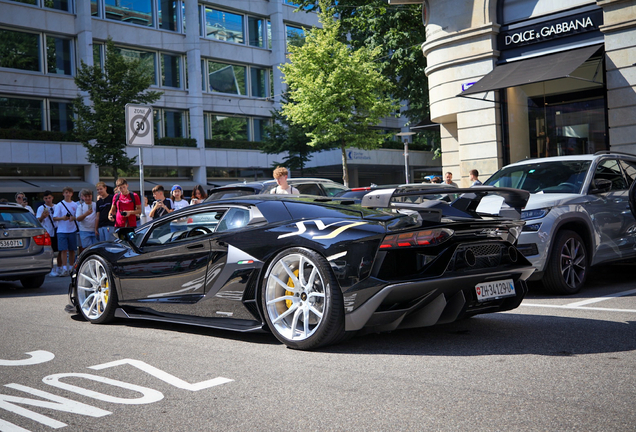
(64,215)
(85,214)
(45,216)
(178,203)
(282,187)
(21,199)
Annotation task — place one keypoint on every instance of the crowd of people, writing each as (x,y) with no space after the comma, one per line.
(76,225)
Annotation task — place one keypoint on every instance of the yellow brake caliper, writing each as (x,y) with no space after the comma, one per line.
(290,283)
(106,291)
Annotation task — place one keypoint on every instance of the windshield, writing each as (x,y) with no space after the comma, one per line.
(545,177)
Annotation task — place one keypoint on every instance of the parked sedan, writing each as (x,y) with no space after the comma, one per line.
(311,272)
(578,214)
(25,247)
(306,186)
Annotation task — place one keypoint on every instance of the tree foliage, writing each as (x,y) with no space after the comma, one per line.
(336,92)
(398,33)
(101,126)
(282,136)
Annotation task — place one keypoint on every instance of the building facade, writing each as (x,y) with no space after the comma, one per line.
(516,79)
(215,62)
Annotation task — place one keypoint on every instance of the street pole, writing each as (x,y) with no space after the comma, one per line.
(406,160)
(141,186)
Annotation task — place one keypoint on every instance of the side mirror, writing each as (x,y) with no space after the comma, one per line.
(600,186)
(126,234)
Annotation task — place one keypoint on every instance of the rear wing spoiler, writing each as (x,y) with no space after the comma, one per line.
(464,205)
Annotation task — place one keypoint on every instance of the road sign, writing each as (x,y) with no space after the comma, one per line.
(139,128)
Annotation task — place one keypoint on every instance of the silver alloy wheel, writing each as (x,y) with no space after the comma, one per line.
(295,297)
(573,262)
(93,289)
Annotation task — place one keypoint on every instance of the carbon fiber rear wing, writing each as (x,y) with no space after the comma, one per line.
(458,202)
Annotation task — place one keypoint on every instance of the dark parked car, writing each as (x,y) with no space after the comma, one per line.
(25,247)
(357,193)
(306,186)
(311,272)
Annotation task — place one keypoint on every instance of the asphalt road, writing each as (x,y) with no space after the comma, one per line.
(555,363)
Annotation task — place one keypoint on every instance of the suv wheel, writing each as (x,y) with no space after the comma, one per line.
(567,267)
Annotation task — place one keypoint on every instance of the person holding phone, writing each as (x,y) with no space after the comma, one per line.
(162,205)
(126,206)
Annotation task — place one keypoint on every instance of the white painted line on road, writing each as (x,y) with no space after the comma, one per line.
(578,307)
(599,299)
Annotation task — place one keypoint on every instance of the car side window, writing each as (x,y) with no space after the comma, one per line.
(332,190)
(609,169)
(234,218)
(308,189)
(185,228)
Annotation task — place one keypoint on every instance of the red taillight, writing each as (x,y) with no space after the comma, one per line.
(42,239)
(418,238)
(190,220)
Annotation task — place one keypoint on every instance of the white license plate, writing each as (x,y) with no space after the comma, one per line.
(495,290)
(11,243)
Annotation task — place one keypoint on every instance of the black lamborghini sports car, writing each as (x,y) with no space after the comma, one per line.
(309,269)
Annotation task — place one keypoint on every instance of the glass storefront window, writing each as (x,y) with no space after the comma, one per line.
(226,78)
(170,73)
(139,12)
(147,59)
(21,113)
(295,36)
(61,115)
(255,31)
(259,82)
(224,26)
(559,117)
(58,56)
(19,50)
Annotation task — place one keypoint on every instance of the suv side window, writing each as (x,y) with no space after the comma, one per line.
(630,170)
(609,169)
(308,189)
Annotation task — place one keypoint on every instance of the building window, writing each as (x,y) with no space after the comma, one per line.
(295,36)
(58,56)
(170,123)
(19,50)
(224,26)
(147,60)
(226,78)
(258,129)
(259,82)
(24,114)
(63,5)
(255,30)
(170,71)
(169,14)
(94,9)
(226,128)
(98,59)
(61,116)
(139,12)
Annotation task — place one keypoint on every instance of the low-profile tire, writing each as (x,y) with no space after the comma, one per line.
(32,281)
(302,300)
(96,294)
(567,267)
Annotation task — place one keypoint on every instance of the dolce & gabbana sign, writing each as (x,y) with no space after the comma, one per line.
(549,30)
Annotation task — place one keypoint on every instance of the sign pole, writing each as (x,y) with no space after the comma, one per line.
(141,185)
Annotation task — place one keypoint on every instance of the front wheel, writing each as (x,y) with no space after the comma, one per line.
(96,294)
(567,266)
(302,300)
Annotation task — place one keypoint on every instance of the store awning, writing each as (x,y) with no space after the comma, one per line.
(33,185)
(427,123)
(532,70)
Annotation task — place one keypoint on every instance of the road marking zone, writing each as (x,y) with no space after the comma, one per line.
(580,305)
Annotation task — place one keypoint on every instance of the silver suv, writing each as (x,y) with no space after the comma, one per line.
(578,214)
(25,247)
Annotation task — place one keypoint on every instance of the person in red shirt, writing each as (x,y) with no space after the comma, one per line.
(126,206)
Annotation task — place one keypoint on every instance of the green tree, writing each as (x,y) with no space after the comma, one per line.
(336,92)
(397,32)
(101,125)
(281,136)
